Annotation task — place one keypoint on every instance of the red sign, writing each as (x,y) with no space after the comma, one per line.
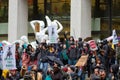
(92,45)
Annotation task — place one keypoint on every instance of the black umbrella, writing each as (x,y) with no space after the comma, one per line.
(52,58)
(55,59)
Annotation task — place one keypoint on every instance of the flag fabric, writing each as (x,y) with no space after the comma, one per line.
(112,46)
(8,59)
(52,31)
(109,38)
(115,39)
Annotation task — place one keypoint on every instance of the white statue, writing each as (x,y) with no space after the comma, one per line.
(6,42)
(24,39)
(54,23)
(39,30)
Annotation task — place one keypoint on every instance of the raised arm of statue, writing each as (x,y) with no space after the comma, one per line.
(44,30)
(48,21)
(60,28)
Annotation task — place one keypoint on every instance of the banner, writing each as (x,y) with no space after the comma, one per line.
(115,39)
(93,45)
(9,61)
(109,38)
(52,31)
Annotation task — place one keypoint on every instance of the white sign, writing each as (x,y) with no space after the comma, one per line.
(52,31)
(115,39)
(9,61)
(93,45)
(1,54)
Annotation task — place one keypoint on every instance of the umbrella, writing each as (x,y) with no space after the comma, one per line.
(52,58)
(55,59)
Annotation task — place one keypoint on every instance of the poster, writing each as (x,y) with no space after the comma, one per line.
(9,61)
(115,39)
(93,45)
(52,31)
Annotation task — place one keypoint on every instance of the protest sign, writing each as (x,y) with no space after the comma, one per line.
(82,61)
(52,31)
(9,61)
(115,39)
(92,45)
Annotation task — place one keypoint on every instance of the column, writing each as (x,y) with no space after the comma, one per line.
(80,25)
(18,19)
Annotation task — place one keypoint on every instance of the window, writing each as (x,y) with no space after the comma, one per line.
(3,11)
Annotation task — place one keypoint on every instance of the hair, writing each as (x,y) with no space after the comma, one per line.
(80,39)
(29,45)
(72,38)
(49,72)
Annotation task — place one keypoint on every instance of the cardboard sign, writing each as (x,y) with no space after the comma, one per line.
(82,61)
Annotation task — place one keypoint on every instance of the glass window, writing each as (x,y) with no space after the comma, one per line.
(3,11)
(105,12)
(55,9)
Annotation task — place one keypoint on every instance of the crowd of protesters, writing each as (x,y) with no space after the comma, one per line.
(57,61)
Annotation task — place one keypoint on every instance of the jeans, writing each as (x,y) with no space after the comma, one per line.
(72,61)
(43,66)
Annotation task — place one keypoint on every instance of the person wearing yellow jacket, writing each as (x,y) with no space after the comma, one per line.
(5,73)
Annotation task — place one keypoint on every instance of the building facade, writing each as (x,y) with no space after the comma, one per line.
(81,18)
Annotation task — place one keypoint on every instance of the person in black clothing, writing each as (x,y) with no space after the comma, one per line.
(91,61)
(79,48)
(103,75)
(102,57)
(72,54)
(106,49)
(41,53)
(56,74)
(95,75)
